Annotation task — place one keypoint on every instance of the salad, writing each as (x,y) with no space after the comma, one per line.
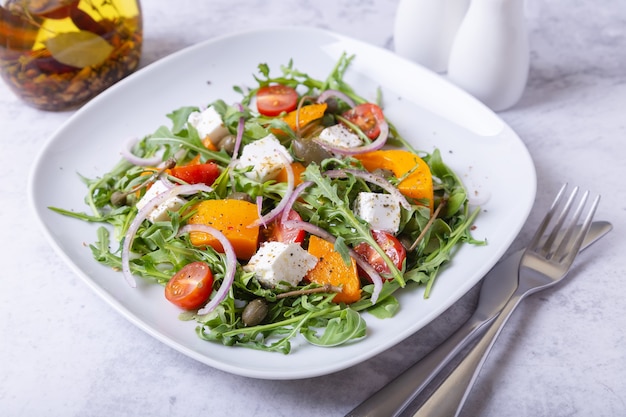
(288,214)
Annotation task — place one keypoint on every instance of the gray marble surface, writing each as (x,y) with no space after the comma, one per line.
(65,352)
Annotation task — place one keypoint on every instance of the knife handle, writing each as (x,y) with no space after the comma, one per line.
(448,398)
(393,398)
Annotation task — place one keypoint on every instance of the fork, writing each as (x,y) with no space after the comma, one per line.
(545,262)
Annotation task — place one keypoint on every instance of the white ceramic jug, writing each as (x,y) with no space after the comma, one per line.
(490,53)
(424,30)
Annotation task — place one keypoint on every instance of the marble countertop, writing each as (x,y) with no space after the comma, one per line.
(65,352)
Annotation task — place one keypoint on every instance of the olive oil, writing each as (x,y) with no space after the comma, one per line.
(57,54)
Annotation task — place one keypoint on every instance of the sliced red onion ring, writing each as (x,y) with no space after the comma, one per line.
(166,181)
(231,264)
(143,214)
(378,143)
(374,179)
(136,160)
(294,196)
(239,137)
(319,232)
(259,210)
(325,95)
(276,211)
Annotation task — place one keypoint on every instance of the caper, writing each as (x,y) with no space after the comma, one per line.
(331,105)
(119,198)
(309,151)
(239,195)
(254,312)
(227,143)
(328,120)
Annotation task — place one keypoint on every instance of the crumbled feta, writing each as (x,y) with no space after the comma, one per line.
(159,213)
(381,211)
(208,123)
(264,156)
(276,263)
(340,135)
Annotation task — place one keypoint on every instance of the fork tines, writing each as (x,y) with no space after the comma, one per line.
(568,246)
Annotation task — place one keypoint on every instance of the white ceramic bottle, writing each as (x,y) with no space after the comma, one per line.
(424,30)
(490,53)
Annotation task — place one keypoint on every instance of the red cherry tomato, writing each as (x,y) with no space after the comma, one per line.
(197,174)
(279,233)
(366,116)
(390,245)
(190,287)
(272,100)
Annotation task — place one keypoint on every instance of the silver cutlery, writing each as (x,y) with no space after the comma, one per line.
(545,262)
(499,286)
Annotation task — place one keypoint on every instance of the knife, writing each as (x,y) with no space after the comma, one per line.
(497,287)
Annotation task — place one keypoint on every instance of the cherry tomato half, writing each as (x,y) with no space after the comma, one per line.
(280,233)
(366,116)
(272,100)
(197,174)
(390,245)
(190,287)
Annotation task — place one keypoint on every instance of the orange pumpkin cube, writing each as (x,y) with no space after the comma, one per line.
(232,218)
(331,269)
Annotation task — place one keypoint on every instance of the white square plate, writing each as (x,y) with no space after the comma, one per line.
(427,110)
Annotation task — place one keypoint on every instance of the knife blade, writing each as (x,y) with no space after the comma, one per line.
(497,287)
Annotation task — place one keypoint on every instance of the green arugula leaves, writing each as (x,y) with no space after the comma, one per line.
(159,251)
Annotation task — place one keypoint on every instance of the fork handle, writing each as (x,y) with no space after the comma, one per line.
(448,399)
(392,399)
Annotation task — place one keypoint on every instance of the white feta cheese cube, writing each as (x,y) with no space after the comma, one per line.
(208,123)
(277,262)
(340,135)
(159,213)
(266,156)
(381,211)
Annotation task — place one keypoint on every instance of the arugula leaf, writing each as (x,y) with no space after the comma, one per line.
(172,143)
(385,309)
(179,118)
(348,325)
(453,186)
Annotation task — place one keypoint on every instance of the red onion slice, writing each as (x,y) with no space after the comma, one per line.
(240,129)
(374,179)
(136,160)
(294,196)
(377,144)
(325,95)
(276,211)
(166,181)
(259,210)
(143,215)
(231,264)
(366,267)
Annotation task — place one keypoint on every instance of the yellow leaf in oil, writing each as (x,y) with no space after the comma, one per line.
(79,49)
